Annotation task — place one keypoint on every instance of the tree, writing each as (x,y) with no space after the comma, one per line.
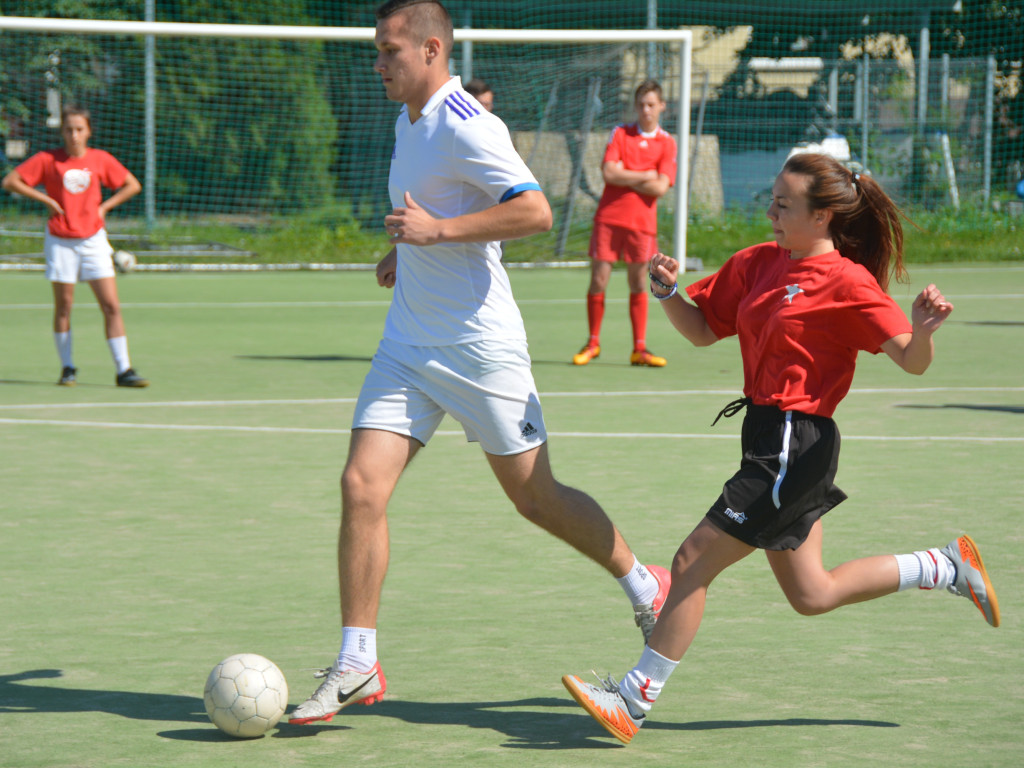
(243,125)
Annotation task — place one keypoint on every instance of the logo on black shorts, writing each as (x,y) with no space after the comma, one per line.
(739,517)
(528,431)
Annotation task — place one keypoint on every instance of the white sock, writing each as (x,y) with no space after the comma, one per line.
(358,649)
(63,342)
(119,351)
(639,584)
(641,687)
(926,569)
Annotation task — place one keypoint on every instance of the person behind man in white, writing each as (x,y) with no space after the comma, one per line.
(454,342)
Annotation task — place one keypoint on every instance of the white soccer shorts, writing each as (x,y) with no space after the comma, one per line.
(487,386)
(74,259)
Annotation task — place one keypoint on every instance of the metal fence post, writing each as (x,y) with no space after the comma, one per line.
(150,120)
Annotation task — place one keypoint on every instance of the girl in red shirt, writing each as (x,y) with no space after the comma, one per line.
(802,307)
(75,244)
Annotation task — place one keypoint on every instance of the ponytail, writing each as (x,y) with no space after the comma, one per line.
(866,226)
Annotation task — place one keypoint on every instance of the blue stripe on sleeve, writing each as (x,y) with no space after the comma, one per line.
(518,189)
(460,107)
(467,105)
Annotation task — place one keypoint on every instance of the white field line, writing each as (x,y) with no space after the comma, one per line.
(544,395)
(456,433)
(387,302)
(181,404)
(585,435)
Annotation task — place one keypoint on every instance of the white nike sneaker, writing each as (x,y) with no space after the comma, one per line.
(339,690)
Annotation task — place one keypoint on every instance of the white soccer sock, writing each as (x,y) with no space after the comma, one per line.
(641,687)
(119,351)
(62,340)
(639,584)
(926,569)
(358,649)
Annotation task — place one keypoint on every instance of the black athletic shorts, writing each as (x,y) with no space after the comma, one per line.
(785,481)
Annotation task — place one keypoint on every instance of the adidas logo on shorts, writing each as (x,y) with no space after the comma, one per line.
(528,431)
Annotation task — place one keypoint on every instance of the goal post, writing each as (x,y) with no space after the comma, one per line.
(677,44)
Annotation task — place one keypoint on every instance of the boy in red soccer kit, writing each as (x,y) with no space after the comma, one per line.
(639,166)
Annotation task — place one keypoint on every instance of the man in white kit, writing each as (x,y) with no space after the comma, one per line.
(454,342)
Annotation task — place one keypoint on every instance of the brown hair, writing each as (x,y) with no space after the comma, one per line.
(429,18)
(477,87)
(648,86)
(73,110)
(866,226)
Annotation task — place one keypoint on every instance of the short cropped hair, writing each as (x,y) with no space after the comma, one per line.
(429,18)
(648,86)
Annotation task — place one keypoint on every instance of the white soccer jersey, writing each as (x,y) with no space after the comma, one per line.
(455,159)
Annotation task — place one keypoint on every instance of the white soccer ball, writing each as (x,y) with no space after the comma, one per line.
(124,261)
(245,695)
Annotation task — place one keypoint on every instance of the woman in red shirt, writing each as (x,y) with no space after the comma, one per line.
(76,245)
(801,307)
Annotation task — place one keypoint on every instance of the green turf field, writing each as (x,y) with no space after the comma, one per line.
(145,535)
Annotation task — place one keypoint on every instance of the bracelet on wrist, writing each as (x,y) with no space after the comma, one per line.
(658,282)
(669,295)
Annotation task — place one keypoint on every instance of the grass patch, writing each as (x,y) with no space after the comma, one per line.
(147,534)
(334,235)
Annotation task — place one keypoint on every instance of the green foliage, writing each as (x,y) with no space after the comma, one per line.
(945,235)
(255,152)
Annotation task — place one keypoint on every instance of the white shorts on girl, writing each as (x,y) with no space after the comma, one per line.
(487,386)
(74,259)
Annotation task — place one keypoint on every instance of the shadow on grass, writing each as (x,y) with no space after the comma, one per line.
(53,383)
(534,723)
(969,407)
(309,358)
(526,723)
(624,363)
(15,697)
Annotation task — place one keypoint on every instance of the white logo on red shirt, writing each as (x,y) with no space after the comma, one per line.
(77,180)
(792,291)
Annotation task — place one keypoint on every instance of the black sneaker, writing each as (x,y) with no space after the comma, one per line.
(130,378)
(67,377)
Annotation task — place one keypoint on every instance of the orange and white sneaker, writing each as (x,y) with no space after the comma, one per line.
(339,690)
(971,577)
(606,705)
(646,614)
(588,353)
(646,357)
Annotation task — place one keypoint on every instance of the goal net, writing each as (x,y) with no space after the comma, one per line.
(252,125)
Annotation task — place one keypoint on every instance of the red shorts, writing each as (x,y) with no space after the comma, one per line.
(608,242)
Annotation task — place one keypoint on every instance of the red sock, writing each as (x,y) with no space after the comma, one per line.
(638,317)
(595,314)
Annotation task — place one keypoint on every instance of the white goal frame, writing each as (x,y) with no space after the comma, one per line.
(682,37)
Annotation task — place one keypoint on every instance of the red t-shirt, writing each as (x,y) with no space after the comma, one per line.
(625,207)
(800,323)
(74,182)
